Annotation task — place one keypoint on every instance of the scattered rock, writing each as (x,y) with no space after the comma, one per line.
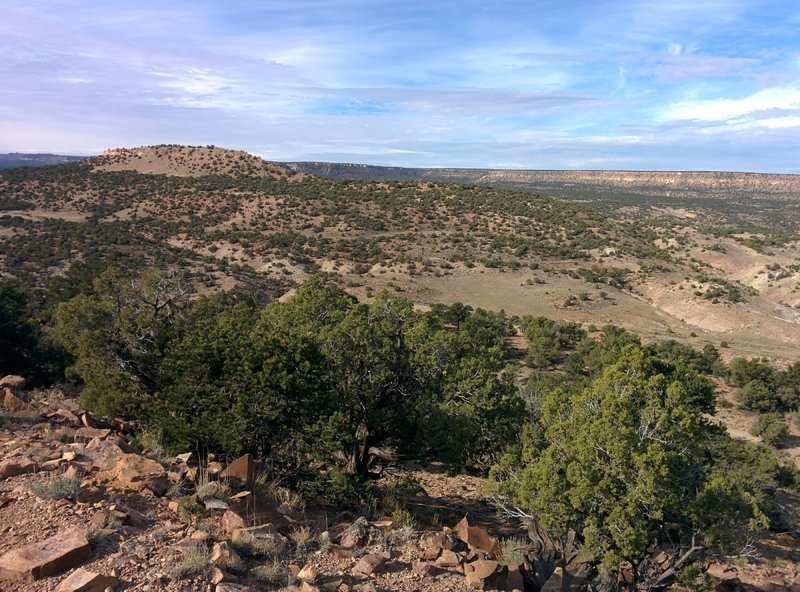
(46,558)
(219,576)
(184,458)
(231,587)
(64,416)
(82,580)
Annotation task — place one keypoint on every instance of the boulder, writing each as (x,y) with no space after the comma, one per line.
(17,466)
(248,510)
(369,564)
(13,381)
(476,537)
(82,580)
(448,559)
(135,472)
(479,571)
(309,573)
(49,557)
(13,401)
(243,470)
(223,555)
(433,543)
(355,535)
(102,454)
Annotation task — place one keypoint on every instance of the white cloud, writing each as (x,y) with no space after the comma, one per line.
(675,49)
(786,98)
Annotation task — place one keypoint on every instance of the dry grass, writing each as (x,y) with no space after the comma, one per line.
(191,563)
(271,573)
(63,485)
(207,489)
(511,550)
(284,498)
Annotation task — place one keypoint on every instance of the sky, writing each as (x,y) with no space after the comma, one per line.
(540,84)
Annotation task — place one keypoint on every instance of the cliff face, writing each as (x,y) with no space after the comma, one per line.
(653,183)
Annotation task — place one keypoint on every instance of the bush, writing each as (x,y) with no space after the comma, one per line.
(64,485)
(757,396)
(771,430)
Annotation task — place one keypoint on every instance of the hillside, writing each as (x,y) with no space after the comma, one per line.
(742,198)
(233,219)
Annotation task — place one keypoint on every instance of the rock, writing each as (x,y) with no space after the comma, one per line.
(13,401)
(64,416)
(216,504)
(476,537)
(12,381)
(369,564)
(137,473)
(51,556)
(82,580)
(243,469)
(248,510)
(223,554)
(514,579)
(17,466)
(102,454)
(218,576)
(433,543)
(184,458)
(308,587)
(309,573)
(89,421)
(721,571)
(448,558)
(479,571)
(424,568)
(87,434)
(355,535)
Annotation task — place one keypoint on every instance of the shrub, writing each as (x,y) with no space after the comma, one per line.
(771,430)
(64,485)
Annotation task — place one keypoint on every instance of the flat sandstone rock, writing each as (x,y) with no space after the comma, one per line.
(46,558)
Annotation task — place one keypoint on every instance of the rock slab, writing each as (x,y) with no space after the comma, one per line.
(46,558)
(82,580)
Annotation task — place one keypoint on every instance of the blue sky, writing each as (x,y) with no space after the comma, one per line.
(634,84)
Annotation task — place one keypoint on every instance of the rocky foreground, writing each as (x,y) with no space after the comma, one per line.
(82,508)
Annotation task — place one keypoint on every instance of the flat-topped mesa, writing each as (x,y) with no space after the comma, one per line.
(187,161)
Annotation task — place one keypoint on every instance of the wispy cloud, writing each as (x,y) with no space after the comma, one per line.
(610,83)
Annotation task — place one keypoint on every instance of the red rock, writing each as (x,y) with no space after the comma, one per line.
(137,473)
(64,416)
(448,559)
(12,381)
(478,572)
(514,579)
(46,558)
(369,564)
(13,401)
(82,580)
(242,470)
(17,466)
(92,433)
(476,537)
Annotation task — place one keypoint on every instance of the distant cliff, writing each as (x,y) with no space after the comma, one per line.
(687,185)
(19,159)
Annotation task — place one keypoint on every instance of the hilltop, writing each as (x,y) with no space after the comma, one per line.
(186,161)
